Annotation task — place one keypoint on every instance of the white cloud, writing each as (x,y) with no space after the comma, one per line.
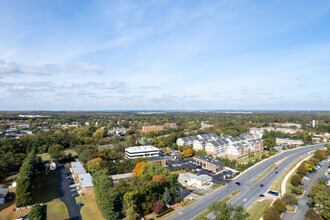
(7,67)
(89,67)
(113,85)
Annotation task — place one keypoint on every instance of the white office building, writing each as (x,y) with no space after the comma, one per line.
(141,151)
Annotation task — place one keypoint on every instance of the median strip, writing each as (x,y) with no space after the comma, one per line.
(207,211)
(264,174)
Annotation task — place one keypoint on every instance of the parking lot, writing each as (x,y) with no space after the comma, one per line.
(65,192)
(185,164)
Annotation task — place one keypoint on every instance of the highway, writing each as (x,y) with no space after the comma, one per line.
(248,191)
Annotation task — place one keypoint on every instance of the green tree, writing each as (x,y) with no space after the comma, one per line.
(279,205)
(290,199)
(36,213)
(167,197)
(269,142)
(56,151)
(94,165)
(295,180)
(106,196)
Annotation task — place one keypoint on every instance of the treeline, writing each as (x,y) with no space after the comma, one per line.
(24,181)
(137,196)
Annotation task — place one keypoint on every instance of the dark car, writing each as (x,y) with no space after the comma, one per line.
(75,194)
(276,172)
(261,195)
(71,182)
(237,183)
(68,173)
(275,168)
(261,185)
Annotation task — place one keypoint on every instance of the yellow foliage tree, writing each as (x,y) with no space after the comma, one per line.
(138,168)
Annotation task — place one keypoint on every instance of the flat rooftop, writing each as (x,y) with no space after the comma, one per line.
(121,176)
(137,149)
(85,179)
(78,167)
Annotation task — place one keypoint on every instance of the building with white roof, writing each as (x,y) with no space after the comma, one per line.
(77,168)
(199,181)
(85,182)
(141,151)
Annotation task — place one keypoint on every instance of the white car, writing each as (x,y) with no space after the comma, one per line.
(73,185)
(74,190)
(244,200)
(198,170)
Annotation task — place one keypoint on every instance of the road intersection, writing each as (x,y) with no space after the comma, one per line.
(248,191)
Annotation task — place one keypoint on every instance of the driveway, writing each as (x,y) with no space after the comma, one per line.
(65,193)
(302,206)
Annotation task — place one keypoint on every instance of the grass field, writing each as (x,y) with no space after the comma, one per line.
(45,190)
(277,185)
(258,208)
(207,211)
(89,210)
(246,159)
(264,174)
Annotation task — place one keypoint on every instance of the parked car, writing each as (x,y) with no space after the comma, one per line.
(237,183)
(68,173)
(73,185)
(313,171)
(68,177)
(261,195)
(303,184)
(74,190)
(75,194)
(198,170)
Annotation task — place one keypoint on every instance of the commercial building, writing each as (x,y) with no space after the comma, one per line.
(288,141)
(149,128)
(85,183)
(209,163)
(141,151)
(199,181)
(164,161)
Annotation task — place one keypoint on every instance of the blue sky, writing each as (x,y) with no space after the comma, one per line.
(175,55)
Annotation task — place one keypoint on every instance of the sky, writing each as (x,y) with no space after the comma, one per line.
(164,55)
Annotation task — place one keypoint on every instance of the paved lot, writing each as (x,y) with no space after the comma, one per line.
(65,193)
(248,191)
(302,202)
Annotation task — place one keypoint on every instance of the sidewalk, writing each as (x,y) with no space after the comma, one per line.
(289,174)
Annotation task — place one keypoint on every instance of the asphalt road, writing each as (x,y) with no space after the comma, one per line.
(248,191)
(65,193)
(302,202)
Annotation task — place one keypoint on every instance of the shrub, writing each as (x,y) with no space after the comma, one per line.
(296,190)
(312,215)
(164,213)
(295,180)
(290,199)
(158,207)
(271,214)
(279,205)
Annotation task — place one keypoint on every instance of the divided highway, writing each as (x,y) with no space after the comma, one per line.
(248,191)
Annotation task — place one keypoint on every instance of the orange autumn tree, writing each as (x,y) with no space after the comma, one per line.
(138,168)
(159,179)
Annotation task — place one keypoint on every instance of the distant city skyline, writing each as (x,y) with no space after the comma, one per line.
(164,55)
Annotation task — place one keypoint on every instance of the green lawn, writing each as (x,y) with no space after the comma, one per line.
(291,208)
(246,159)
(203,215)
(190,202)
(89,210)
(277,185)
(264,174)
(45,190)
(258,208)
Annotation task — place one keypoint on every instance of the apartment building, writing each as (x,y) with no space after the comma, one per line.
(209,163)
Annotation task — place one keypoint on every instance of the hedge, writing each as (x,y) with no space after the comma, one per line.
(164,213)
